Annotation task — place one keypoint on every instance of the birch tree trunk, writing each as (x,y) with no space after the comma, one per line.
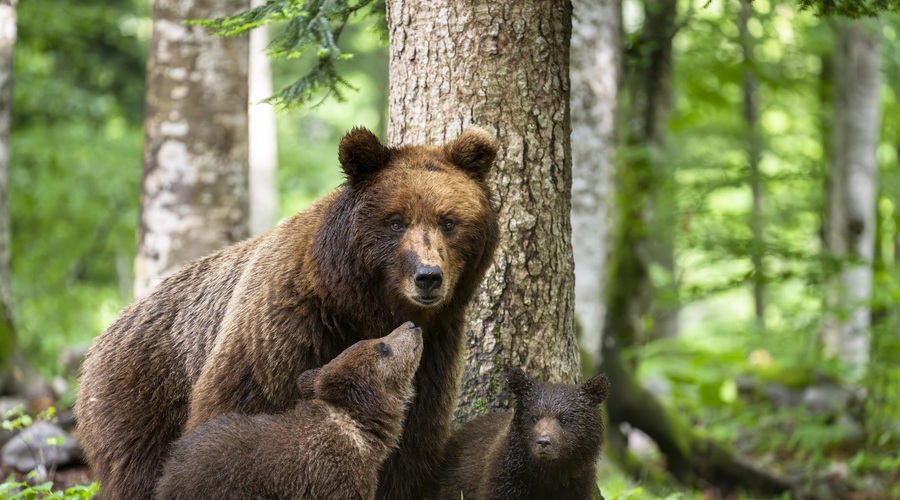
(194,188)
(263,142)
(501,65)
(594,70)
(850,222)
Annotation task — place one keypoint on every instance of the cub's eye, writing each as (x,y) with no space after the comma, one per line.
(533,419)
(447,225)
(564,419)
(384,349)
(397,226)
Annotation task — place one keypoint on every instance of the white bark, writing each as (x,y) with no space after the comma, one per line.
(850,225)
(263,139)
(194,189)
(594,72)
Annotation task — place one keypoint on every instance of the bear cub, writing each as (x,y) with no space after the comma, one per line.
(546,448)
(331,446)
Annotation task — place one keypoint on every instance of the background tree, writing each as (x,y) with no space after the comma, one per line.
(513,81)
(594,74)
(852,187)
(263,137)
(194,190)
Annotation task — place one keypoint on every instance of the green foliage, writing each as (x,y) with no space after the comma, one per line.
(13,490)
(16,420)
(850,8)
(307,26)
(75,167)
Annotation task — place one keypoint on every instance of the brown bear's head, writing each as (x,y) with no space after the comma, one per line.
(558,424)
(371,374)
(423,217)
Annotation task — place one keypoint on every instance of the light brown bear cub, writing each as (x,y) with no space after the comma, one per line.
(545,449)
(329,447)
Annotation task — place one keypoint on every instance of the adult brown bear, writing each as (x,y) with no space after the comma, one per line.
(407,237)
(329,446)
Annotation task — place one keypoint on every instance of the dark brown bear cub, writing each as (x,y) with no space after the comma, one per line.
(407,237)
(546,449)
(329,447)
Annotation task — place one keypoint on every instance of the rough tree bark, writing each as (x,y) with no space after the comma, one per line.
(263,143)
(850,221)
(503,66)
(594,72)
(194,188)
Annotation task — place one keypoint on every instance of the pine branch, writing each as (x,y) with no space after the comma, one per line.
(310,25)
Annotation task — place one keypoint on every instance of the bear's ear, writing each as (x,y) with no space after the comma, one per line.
(362,155)
(519,382)
(306,382)
(473,152)
(597,388)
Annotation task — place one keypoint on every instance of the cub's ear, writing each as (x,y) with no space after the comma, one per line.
(362,155)
(473,152)
(519,382)
(597,388)
(306,382)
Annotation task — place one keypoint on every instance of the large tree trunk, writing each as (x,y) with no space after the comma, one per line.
(850,221)
(194,189)
(263,143)
(594,66)
(501,65)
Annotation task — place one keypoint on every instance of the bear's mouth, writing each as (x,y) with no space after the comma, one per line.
(427,301)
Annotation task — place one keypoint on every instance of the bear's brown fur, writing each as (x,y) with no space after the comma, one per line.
(545,449)
(408,237)
(328,447)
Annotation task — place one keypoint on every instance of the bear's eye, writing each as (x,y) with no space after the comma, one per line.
(447,225)
(563,419)
(397,225)
(384,349)
(533,419)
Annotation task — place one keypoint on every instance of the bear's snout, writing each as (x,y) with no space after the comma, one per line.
(428,278)
(546,436)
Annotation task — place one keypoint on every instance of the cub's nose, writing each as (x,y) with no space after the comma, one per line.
(429,278)
(544,441)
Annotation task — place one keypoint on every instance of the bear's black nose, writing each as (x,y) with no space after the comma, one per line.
(429,278)
(544,441)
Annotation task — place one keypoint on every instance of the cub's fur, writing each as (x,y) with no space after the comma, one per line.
(329,447)
(545,449)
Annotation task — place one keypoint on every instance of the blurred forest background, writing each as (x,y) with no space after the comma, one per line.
(741,193)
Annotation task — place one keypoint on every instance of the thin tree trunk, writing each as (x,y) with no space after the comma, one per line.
(194,188)
(594,66)
(754,150)
(850,223)
(263,141)
(502,66)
